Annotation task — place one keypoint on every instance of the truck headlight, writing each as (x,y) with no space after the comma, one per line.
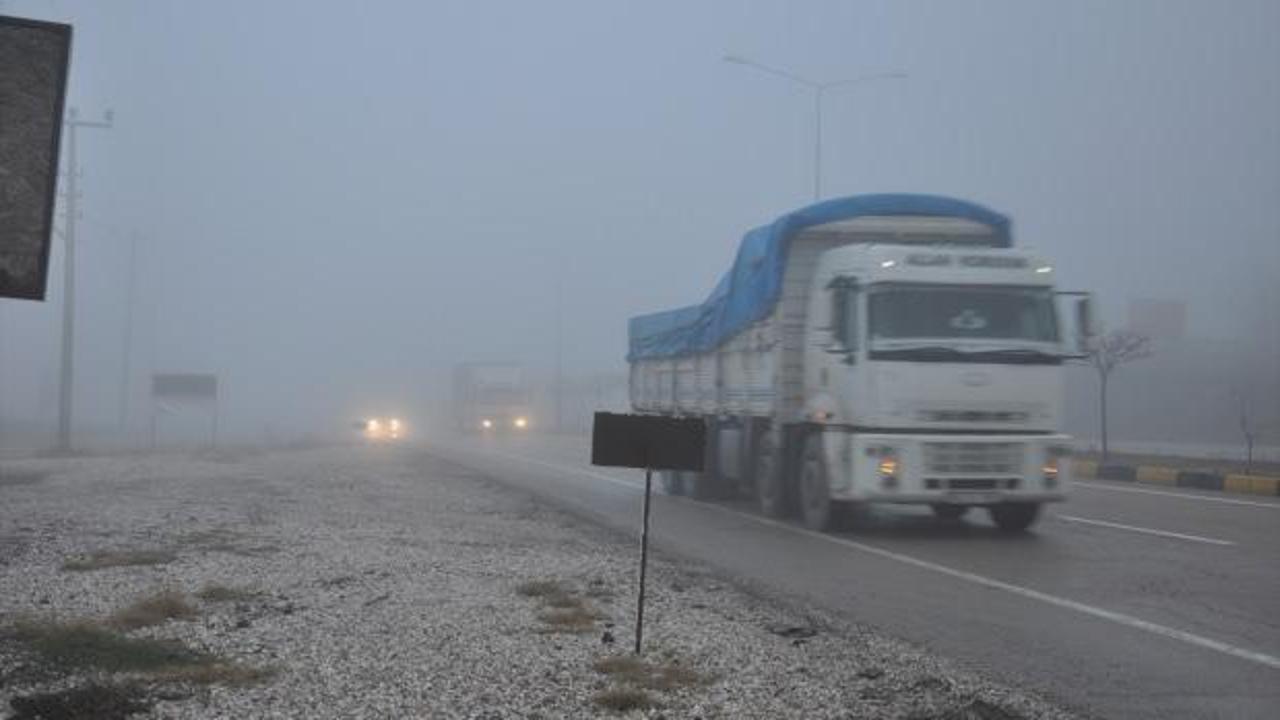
(888,467)
(486,423)
(1050,472)
(522,422)
(1053,458)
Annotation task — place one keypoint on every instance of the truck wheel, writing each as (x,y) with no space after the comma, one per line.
(948,512)
(1014,517)
(816,508)
(670,481)
(770,474)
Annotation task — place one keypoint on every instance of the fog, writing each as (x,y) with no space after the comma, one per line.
(334,203)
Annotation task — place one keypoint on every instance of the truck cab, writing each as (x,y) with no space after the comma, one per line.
(933,375)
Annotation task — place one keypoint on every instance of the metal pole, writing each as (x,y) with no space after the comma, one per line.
(126,371)
(67,374)
(560,353)
(644,557)
(817,142)
(68,294)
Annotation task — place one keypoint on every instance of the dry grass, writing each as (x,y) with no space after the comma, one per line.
(86,645)
(89,646)
(153,610)
(565,610)
(577,619)
(541,588)
(225,541)
(102,559)
(221,593)
(216,673)
(623,699)
(637,672)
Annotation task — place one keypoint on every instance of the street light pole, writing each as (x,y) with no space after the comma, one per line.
(819,92)
(73,123)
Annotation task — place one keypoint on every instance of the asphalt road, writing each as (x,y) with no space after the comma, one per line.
(1125,602)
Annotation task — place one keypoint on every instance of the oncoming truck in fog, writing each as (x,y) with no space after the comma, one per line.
(492,398)
(872,349)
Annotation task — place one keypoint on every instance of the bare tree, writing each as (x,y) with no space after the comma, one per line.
(1246,426)
(1110,351)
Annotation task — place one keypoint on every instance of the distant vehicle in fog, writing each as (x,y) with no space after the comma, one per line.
(872,349)
(380,429)
(492,398)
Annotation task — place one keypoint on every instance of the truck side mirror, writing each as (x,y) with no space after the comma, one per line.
(1086,322)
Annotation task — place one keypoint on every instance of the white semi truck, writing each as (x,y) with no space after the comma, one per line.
(873,349)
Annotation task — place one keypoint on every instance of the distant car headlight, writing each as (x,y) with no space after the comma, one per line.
(395,424)
(522,422)
(486,423)
(373,425)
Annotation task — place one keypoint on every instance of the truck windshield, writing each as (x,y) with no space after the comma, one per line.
(949,312)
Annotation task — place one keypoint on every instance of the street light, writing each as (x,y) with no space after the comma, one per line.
(66,379)
(819,90)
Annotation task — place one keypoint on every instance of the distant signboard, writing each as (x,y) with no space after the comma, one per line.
(1158,319)
(648,441)
(34,57)
(184,386)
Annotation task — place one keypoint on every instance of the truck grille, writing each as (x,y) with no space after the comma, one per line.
(973,458)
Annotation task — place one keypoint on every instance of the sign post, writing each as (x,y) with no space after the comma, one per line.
(650,442)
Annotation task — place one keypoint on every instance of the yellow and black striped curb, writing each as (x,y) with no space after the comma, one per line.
(1161,475)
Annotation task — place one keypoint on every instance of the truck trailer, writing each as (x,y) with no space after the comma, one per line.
(873,349)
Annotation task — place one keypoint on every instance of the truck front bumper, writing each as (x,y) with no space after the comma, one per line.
(948,469)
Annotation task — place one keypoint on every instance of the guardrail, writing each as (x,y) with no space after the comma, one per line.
(1175,477)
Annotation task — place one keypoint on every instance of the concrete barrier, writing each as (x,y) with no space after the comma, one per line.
(1252,484)
(1157,475)
(1085,469)
(1126,473)
(1200,480)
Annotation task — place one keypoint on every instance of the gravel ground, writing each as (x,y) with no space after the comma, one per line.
(390,584)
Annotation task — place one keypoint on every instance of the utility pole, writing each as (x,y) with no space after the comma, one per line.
(126,372)
(560,352)
(73,123)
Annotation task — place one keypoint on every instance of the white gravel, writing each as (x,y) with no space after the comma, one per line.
(388,584)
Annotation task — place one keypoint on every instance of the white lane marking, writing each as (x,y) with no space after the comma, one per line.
(1067,604)
(1184,496)
(1145,531)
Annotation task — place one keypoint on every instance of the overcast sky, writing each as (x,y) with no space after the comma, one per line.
(346,198)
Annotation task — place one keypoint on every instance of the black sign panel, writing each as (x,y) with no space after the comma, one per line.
(184,386)
(648,441)
(34,57)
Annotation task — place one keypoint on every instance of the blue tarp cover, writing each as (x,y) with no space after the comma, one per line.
(748,292)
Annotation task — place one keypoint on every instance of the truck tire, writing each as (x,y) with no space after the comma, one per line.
(771,487)
(947,512)
(817,510)
(1014,517)
(671,482)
